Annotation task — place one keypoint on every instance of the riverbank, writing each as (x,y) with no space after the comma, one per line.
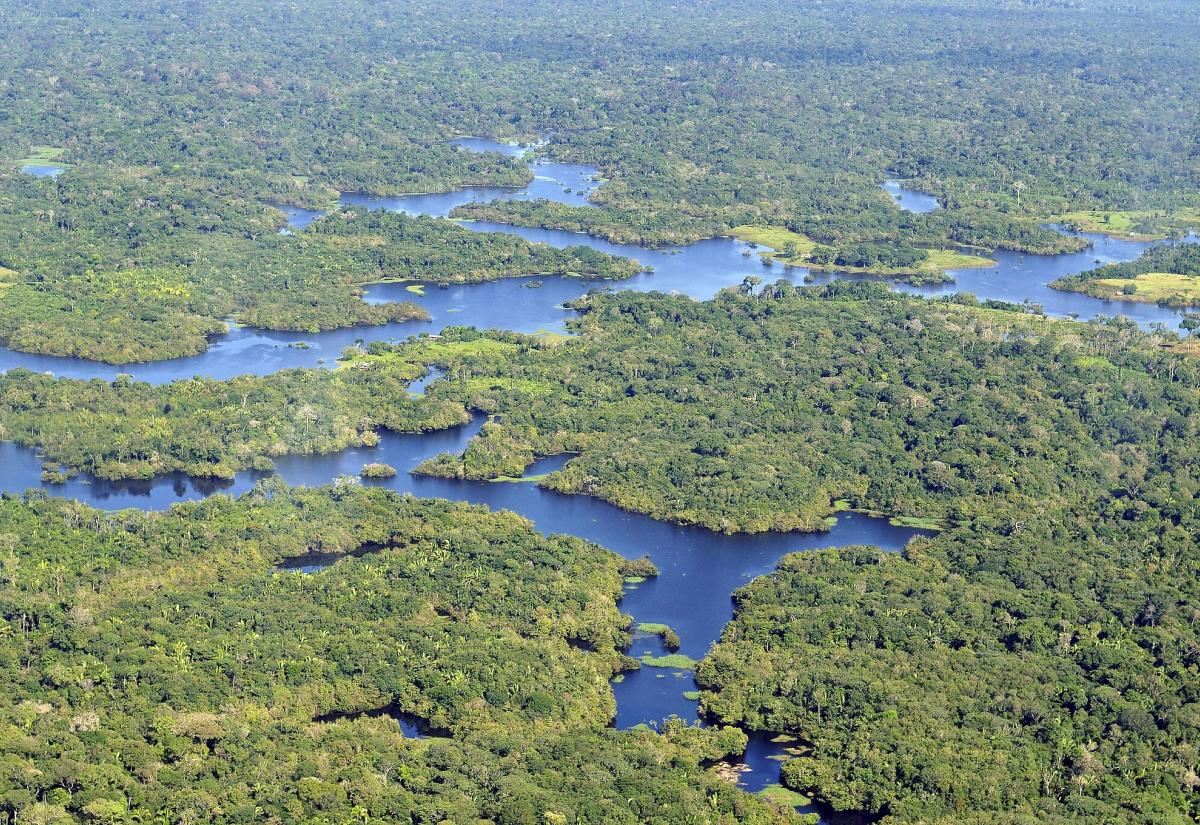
(1166,289)
(1135,225)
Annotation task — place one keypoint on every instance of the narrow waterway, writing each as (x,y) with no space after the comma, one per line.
(910,200)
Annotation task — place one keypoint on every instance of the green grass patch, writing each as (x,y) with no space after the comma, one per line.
(1152,287)
(521,480)
(691,695)
(552,338)
(918,522)
(529,386)
(42,154)
(415,289)
(940,259)
(778,238)
(1139,224)
(673,661)
(657,628)
(784,796)
(7,278)
(1094,362)
(634,579)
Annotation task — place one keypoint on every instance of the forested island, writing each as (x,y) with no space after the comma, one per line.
(912,264)
(1020,647)
(1166,274)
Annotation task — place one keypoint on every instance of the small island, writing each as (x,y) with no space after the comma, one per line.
(377,470)
(912,264)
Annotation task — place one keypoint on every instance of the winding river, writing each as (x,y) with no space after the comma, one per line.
(699,270)
(698,568)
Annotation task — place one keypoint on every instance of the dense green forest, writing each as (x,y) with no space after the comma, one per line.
(1040,665)
(1040,652)
(159,668)
(761,410)
(777,108)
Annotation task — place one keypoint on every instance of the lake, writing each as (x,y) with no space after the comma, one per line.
(43,170)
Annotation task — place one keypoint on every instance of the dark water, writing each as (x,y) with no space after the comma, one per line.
(43,170)
(910,200)
(414,727)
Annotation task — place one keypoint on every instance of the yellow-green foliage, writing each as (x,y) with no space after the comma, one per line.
(1152,287)
(1129,223)
(918,522)
(784,796)
(778,238)
(952,259)
(671,661)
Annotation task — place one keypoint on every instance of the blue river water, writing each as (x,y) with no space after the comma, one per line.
(43,170)
(910,200)
(699,569)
